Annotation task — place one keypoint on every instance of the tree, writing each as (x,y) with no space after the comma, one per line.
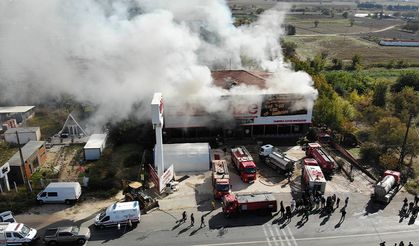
(351,22)
(316,23)
(356,62)
(345,15)
(337,64)
(288,49)
(379,96)
(389,132)
(290,29)
(389,160)
(259,11)
(406,102)
(372,114)
(410,78)
(370,153)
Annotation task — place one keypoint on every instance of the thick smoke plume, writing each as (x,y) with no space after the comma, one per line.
(117,53)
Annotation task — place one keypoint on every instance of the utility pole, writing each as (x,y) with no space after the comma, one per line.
(402,152)
(22,164)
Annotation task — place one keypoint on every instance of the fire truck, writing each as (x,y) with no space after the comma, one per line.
(324,160)
(234,204)
(220,178)
(387,188)
(243,162)
(313,179)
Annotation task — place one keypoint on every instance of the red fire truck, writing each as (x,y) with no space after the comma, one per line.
(220,178)
(313,179)
(243,162)
(324,160)
(234,204)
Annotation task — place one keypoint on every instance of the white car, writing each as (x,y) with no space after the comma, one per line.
(7,216)
(17,233)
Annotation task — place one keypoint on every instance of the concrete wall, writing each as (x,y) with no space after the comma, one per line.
(24,137)
(187,157)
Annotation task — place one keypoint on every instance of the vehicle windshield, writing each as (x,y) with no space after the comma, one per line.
(75,230)
(222,187)
(25,231)
(250,170)
(102,215)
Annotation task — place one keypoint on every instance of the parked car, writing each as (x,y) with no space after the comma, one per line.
(60,192)
(69,234)
(7,216)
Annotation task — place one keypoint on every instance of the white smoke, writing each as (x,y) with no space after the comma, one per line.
(117,53)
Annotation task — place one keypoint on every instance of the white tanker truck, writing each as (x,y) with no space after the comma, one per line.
(387,188)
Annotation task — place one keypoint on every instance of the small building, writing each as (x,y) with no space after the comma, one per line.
(34,155)
(25,134)
(94,147)
(20,113)
(187,157)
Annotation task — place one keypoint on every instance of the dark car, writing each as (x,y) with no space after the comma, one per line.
(67,235)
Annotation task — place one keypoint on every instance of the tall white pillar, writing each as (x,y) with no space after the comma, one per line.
(157,120)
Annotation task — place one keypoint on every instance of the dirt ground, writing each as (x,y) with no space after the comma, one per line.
(61,160)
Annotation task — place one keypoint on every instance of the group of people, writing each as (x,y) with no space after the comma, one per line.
(184,218)
(395,244)
(309,202)
(410,208)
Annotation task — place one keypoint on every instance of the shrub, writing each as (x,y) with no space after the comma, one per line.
(370,153)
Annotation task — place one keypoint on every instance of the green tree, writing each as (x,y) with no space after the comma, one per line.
(356,62)
(345,15)
(379,96)
(389,132)
(370,153)
(372,114)
(337,64)
(259,11)
(316,23)
(389,160)
(288,49)
(406,102)
(410,78)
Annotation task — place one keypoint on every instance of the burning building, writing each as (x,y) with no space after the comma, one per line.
(266,114)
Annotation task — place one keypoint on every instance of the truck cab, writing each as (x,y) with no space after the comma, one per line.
(17,233)
(265,150)
(229,204)
(247,171)
(243,162)
(221,188)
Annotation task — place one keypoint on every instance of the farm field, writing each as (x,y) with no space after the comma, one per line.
(345,47)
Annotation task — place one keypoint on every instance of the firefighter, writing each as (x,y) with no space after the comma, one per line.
(192,220)
(405,201)
(183,216)
(282,209)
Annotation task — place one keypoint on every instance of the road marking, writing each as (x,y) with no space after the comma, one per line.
(292,236)
(277,231)
(286,238)
(266,235)
(309,238)
(275,238)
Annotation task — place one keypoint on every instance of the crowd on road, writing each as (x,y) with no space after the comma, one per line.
(312,203)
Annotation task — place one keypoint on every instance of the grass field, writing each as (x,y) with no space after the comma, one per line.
(345,47)
(6,152)
(50,121)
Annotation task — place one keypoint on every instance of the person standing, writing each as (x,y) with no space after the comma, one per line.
(202,221)
(401,243)
(410,244)
(337,202)
(184,216)
(323,201)
(346,201)
(192,220)
(282,209)
(416,199)
(292,205)
(343,212)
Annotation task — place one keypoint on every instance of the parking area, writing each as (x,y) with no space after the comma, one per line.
(195,189)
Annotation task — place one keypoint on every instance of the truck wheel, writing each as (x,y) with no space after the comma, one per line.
(25,244)
(68,202)
(40,202)
(52,243)
(101,227)
(81,241)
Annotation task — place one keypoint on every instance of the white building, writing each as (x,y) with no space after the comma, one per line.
(187,157)
(25,134)
(94,147)
(20,113)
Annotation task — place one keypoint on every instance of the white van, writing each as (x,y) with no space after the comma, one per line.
(60,192)
(119,213)
(17,234)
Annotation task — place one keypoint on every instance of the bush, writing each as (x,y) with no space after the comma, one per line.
(370,153)
(103,194)
(133,159)
(17,202)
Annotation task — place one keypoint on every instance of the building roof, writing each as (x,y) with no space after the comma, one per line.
(21,130)
(27,151)
(228,78)
(190,148)
(96,141)
(15,109)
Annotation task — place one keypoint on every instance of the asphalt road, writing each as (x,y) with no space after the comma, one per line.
(365,224)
